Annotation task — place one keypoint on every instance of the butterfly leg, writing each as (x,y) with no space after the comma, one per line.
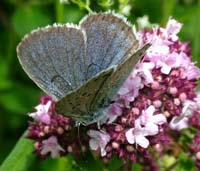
(77,124)
(98,125)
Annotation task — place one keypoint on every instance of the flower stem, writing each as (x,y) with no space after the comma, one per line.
(85,5)
(21,157)
(59,12)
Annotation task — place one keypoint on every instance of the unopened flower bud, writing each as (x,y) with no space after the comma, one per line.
(157,103)
(36,144)
(182,97)
(135,111)
(130,148)
(46,129)
(118,128)
(69,149)
(60,130)
(177,102)
(173,90)
(41,134)
(158,147)
(166,113)
(123,120)
(155,85)
(115,145)
(198,155)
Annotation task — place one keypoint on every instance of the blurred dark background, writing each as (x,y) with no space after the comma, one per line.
(18,94)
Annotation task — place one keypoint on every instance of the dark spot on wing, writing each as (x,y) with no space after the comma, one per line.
(105,75)
(73,107)
(70,103)
(123,28)
(96,79)
(54,78)
(77,98)
(103,17)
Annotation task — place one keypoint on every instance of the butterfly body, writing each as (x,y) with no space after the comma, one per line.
(82,66)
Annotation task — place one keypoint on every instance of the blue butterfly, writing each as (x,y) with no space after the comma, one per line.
(82,66)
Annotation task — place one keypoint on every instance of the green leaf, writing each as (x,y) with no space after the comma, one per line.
(20,157)
(88,163)
(115,164)
(26,19)
(152,9)
(20,99)
(71,14)
(191,28)
(5,82)
(196,37)
(168,6)
(137,167)
(166,161)
(185,163)
(59,164)
(186,138)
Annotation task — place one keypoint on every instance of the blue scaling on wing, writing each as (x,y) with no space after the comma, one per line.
(54,58)
(109,38)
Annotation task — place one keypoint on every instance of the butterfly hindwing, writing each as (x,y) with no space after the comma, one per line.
(54,58)
(82,103)
(77,103)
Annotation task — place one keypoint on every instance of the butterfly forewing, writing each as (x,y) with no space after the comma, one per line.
(54,58)
(76,104)
(109,39)
(118,77)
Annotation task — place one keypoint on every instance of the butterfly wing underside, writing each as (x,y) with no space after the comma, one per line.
(77,64)
(54,58)
(109,39)
(97,93)
(77,103)
(117,78)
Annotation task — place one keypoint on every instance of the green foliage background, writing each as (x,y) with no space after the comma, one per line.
(18,94)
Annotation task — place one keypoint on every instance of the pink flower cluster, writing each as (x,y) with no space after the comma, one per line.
(158,98)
